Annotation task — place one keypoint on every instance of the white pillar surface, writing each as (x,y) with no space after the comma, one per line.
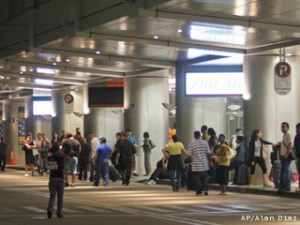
(147,94)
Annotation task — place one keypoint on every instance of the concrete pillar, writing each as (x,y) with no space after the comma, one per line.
(104,122)
(193,112)
(146,95)
(265,109)
(65,118)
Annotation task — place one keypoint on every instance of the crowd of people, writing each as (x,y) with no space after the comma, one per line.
(211,157)
(208,157)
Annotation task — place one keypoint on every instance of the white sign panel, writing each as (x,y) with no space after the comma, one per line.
(282,78)
(214,84)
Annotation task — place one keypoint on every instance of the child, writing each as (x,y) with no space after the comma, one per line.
(43,167)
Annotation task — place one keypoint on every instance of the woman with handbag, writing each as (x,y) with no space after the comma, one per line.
(256,156)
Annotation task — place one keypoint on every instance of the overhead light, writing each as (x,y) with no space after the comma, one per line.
(45,70)
(155,37)
(54,64)
(98,52)
(67,60)
(179,31)
(288,54)
(21,72)
(43,81)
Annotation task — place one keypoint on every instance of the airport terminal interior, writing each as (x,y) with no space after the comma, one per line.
(148,65)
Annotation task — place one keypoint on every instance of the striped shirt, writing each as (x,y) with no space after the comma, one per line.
(199,152)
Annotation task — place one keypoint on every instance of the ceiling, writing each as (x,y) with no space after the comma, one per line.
(156,36)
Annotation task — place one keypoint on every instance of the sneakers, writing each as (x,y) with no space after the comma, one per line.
(26,175)
(150,182)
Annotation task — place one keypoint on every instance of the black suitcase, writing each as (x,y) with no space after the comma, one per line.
(243,175)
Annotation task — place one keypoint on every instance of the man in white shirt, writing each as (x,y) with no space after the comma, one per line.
(285,149)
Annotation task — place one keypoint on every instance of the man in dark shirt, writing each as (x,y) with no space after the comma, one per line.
(56,180)
(125,158)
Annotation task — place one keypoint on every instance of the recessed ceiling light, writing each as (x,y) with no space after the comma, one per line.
(155,37)
(179,31)
(67,60)
(98,52)
(43,81)
(21,72)
(288,54)
(54,64)
(31,70)
(45,70)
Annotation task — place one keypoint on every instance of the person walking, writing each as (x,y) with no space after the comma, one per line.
(200,153)
(56,181)
(285,150)
(101,157)
(175,165)
(3,153)
(147,147)
(256,156)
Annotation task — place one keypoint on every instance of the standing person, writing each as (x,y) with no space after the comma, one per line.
(256,155)
(63,136)
(69,163)
(222,170)
(205,135)
(239,159)
(56,181)
(175,165)
(125,158)
(84,159)
(147,147)
(102,156)
(285,149)
(29,145)
(213,139)
(232,142)
(200,154)
(94,142)
(132,140)
(55,139)
(43,157)
(3,153)
(297,151)
(113,157)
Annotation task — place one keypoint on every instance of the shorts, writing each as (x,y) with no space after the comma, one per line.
(29,158)
(70,166)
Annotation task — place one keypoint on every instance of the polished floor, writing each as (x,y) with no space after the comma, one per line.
(24,201)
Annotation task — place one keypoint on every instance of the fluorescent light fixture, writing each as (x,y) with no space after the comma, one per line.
(195,53)
(45,70)
(214,84)
(43,81)
(221,34)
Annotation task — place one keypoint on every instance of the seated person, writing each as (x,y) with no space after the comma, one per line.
(161,170)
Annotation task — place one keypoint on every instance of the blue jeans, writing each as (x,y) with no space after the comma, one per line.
(102,168)
(284,174)
(56,185)
(298,169)
(176,177)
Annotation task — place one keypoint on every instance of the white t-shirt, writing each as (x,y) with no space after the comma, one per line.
(257,145)
(286,139)
(94,143)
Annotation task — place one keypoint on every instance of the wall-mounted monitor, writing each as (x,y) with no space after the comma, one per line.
(42,105)
(106,97)
(214,84)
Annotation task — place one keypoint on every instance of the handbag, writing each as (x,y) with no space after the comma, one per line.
(292,155)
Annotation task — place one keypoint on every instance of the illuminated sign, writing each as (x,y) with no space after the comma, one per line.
(214,84)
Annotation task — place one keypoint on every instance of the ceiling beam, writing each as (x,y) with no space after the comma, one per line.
(272,46)
(246,22)
(165,43)
(108,57)
(66,68)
